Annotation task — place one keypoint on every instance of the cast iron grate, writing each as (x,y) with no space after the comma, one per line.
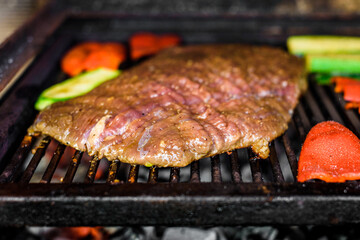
(56,185)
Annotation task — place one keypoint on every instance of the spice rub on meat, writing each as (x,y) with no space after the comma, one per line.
(184,104)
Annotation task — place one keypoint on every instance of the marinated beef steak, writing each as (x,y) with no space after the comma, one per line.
(184,104)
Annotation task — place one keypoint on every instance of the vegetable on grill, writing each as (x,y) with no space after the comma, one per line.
(352,92)
(333,63)
(145,44)
(327,54)
(351,89)
(331,152)
(75,86)
(353,105)
(341,82)
(312,44)
(326,78)
(92,55)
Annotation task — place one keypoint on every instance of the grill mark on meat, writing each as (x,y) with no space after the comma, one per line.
(213,130)
(182,105)
(215,120)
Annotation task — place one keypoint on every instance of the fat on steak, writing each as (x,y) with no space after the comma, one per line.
(184,104)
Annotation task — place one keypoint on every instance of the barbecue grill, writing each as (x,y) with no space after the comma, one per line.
(212,191)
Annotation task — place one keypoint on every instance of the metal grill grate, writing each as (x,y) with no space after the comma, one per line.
(45,183)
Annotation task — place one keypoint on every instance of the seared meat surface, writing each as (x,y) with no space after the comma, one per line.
(184,104)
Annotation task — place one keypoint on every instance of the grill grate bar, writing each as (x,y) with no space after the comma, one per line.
(113,169)
(153,174)
(215,169)
(91,173)
(174,175)
(195,172)
(133,174)
(275,165)
(303,118)
(255,167)
(74,164)
(299,126)
(40,152)
(235,167)
(328,104)
(350,114)
(315,110)
(291,156)
(49,172)
(18,159)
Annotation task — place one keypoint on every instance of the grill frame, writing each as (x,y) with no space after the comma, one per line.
(185,204)
(174,203)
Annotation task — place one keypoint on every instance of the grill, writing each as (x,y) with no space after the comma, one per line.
(229,189)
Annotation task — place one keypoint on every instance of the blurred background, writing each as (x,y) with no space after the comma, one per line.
(13,13)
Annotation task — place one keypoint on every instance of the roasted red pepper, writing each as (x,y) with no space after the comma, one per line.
(341,82)
(92,55)
(352,92)
(353,105)
(331,152)
(351,89)
(145,44)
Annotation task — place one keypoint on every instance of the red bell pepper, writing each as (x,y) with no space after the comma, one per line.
(341,82)
(331,152)
(92,55)
(352,92)
(351,89)
(145,44)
